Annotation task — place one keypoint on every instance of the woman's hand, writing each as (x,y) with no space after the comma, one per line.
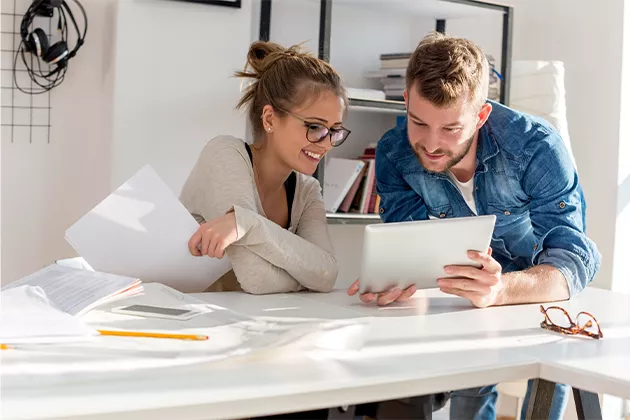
(213,237)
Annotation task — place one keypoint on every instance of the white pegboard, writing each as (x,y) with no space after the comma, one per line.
(25,117)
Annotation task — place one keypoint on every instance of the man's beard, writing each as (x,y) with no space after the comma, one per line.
(454,159)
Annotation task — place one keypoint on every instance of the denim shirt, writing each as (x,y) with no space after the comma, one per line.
(525,176)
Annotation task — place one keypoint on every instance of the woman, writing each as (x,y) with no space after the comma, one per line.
(259,203)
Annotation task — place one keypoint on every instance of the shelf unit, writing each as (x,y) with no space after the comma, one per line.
(438,11)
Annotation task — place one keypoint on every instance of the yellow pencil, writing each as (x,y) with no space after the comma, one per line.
(153,335)
(4,347)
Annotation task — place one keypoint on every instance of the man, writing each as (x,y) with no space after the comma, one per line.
(457,154)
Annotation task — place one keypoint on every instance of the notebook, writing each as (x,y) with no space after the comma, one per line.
(76,291)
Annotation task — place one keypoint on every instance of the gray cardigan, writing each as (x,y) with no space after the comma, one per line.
(266,258)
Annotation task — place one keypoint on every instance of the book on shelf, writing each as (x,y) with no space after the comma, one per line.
(367,94)
(391,74)
(395,94)
(395,60)
(395,64)
(339,177)
(395,56)
(366,194)
(361,197)
(393,82)
(349,197)
(382,73)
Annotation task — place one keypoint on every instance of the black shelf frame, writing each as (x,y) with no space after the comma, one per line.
(226,3)
(325,23)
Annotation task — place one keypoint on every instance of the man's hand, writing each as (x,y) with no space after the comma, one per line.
(482,286)
(385,298)
(213,237)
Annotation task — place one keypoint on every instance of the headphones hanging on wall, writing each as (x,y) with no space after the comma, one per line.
(36,42)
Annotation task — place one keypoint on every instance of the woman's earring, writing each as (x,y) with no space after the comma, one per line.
(269,129)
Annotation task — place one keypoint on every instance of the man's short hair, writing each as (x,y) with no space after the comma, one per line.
(443,68)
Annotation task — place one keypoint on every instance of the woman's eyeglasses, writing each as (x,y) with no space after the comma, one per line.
(316,132)
(558,320)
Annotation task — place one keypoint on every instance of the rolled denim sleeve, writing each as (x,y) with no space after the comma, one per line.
(558,213)
(399,202)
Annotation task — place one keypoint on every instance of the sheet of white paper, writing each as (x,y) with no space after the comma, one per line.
(27,316)
(230,334)
(156,294)
(142,230)
(75,291)
(76,262)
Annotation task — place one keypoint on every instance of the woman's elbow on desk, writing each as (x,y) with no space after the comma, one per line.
(261,289)
(279,281)
(267,282)
(326,287)
(322,281)
(258,276)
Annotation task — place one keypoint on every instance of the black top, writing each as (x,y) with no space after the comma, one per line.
(289,184)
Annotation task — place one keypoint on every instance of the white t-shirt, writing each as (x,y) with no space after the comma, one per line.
(467,189)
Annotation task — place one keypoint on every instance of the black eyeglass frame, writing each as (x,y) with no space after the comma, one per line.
(329,131)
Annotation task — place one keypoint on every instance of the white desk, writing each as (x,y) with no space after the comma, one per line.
(435,343)
(599,366)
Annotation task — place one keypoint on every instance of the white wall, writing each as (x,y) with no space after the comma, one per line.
(348,243)
(138,92)
(47,186)
(485,31)
(621,273)
(589,38)
(360,35)
(174,86)
(592,57)
(295,22)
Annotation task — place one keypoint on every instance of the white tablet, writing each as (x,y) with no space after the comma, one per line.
(406,253)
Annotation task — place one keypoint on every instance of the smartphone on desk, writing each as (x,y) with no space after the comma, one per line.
(149,311)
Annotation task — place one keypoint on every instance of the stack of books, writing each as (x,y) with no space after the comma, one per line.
(392,74)
(350,184)
(394,68)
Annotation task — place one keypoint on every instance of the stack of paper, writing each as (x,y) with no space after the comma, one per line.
(76,291)
(369,94)
(27,316)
